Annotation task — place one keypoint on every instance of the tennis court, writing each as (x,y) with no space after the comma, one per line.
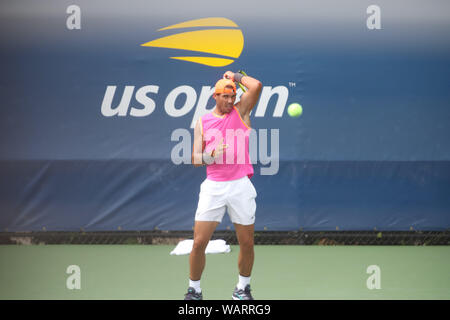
(280,272)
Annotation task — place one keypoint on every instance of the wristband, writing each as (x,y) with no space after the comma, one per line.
(237,77)
(208,158)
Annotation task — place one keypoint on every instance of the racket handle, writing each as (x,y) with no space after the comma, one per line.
(240,84)
(243,72)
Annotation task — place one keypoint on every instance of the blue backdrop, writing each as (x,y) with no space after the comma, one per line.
(87,113)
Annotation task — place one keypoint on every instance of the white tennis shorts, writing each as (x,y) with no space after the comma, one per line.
(236,195)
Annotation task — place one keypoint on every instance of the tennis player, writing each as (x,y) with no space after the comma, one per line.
(221,142)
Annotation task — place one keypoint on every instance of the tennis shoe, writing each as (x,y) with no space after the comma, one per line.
(193,295)
(240,294)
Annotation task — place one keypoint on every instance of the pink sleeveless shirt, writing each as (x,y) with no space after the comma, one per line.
(235,162)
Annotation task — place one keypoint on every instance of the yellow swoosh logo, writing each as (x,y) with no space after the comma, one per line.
(224,42)
(206,22)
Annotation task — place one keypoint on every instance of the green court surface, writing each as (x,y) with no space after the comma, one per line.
(280,272)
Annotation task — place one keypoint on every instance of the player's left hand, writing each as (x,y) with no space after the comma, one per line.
(229,75)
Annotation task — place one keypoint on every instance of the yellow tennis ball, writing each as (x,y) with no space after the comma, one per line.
(295,110)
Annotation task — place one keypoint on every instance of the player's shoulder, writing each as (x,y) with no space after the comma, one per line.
(238,108)
(201,120)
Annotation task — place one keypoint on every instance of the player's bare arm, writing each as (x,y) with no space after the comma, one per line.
(199,156)
(197,151)
(248,98)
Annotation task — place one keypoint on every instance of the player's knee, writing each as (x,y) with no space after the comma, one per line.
(246,244)
(200,244)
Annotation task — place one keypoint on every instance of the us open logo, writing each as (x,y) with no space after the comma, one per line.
(215,42)
(222,42)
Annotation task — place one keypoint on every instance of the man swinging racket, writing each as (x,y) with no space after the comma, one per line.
(221,142)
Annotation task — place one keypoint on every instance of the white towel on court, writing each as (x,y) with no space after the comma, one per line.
(214,246)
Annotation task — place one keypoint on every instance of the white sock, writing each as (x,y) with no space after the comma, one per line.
(243,282)
(195,285)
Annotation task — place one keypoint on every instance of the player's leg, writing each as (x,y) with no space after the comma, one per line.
(242,209)
(210,210)
(203,231)
(245,236)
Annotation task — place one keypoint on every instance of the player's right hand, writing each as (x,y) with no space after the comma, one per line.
(220,148)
